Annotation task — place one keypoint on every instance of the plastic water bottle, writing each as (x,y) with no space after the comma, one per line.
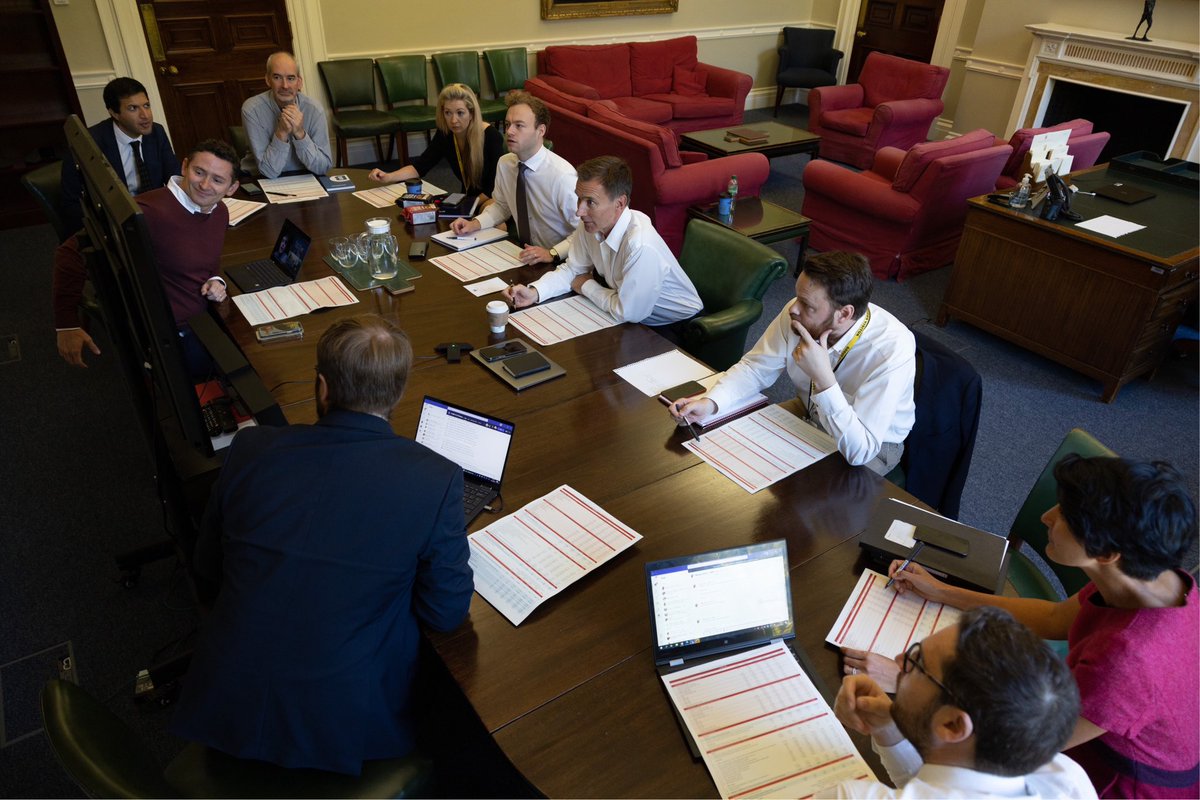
(1020,198)
(732,190)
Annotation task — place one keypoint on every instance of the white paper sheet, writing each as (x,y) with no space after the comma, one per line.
(652,375)
(490,286)
(522,560)
(886,622)
(298,299)
(293,189)
(386,196)
(763,728)
(762,448)
(241,209)
(452,241)
(1109,226)
(468,265)
(561,320)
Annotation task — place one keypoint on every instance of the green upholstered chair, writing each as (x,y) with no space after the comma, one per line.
(462,66)
(106,759)
(508,68)
(731,272)
(45,184)
(350,84)
(404,80)
(241,146)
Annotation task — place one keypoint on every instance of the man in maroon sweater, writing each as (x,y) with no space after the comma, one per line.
(187,221)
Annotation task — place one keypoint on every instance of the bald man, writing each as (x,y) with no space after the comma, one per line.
(287,130)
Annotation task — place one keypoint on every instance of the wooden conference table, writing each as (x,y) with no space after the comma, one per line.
(571,695)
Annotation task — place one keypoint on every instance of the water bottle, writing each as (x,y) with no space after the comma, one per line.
(732,191)
(381,249)
(1020,198)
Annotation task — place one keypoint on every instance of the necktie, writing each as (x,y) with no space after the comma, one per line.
(522,205)
(140,165)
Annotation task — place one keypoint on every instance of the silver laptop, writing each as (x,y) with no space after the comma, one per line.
(477,442)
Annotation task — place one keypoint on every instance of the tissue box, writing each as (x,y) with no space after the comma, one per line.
(420,215)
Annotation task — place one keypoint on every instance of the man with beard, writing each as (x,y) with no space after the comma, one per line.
(852,363)
(982,709)
(331,542)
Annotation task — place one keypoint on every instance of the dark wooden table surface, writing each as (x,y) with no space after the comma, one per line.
(782,140)
(571,695)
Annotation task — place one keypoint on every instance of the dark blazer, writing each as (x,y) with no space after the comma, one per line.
(160,160)
(334,541)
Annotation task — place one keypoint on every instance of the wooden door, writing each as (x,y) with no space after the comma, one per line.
(209,56)
(905,28)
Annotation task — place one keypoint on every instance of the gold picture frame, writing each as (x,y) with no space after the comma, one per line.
(582,9)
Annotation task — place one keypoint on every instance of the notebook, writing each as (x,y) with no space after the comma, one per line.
(281,268)
(710,604)
(1124,193)
(475,441)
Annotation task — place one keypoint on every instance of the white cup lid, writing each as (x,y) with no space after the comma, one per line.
(496,306)
(379,225)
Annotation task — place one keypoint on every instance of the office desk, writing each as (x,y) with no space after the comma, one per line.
(571,695)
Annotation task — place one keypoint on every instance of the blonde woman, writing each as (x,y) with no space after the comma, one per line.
(470,146)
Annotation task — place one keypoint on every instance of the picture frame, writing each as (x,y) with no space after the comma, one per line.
(584,9)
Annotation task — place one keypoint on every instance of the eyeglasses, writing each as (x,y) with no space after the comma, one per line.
(912,658)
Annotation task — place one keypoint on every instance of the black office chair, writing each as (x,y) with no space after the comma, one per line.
(45,184)
(106,759)
(806,60)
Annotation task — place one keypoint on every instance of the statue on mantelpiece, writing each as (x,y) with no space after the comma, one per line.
(1148,18)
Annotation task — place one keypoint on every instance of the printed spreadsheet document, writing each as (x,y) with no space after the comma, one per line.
(467,265)
(524,559)
(763,728)
(883,621)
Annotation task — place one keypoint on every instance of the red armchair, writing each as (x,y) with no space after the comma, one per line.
(892,105)
(1083,144)
(906,213)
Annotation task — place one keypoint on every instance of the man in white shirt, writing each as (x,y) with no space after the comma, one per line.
(533,186)
(852,362)
(636,278)
(287,130)
(982,709)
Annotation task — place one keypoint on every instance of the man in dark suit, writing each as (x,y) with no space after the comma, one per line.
(135,145)
(331,542)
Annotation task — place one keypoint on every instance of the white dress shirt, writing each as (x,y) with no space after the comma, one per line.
(1061,777)
(549,195)
(128,167)
(872,399)
(648,285)
(273,157)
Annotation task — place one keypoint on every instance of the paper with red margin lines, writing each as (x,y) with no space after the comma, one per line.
(763,728)
(295,300)
(527,557)
(561,320)
(762,448)
(883,621)
(467,265)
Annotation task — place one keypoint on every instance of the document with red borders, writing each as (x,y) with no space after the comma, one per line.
(561,320)
(524,559)
(468,265)
(295,300)
(883,621)
(763,728)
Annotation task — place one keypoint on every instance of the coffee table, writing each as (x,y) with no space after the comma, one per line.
(782,140)
(761,220)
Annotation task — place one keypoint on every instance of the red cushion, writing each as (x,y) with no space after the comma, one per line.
(605,67)
(853,121)
(541,87)
(919,157)
(693,107)
(662,138)
(885,78)
(652,64)
(644,108)
(690,82)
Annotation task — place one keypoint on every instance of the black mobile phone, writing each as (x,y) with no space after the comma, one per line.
(417,250)
(251,189)
(499,351)
(526,364)
(689,389)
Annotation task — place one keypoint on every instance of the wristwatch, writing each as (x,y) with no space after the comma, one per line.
(555,258)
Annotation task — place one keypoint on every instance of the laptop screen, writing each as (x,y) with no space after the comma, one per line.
(476,442)
(290,248)
(723,600)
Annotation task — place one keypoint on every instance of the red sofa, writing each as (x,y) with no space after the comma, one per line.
(906,213)
(665,180)
(657,82)
(1084,145)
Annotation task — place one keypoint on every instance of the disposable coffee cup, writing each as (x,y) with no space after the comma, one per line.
(497,312)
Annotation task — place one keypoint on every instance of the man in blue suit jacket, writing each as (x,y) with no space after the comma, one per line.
(132,120)
(332,542)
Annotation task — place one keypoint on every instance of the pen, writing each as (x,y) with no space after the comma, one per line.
(904,566)
(690,424)
(281,194)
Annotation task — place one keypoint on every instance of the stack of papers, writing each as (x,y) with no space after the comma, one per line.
(561,320)
(883,621)
(652,376)
(240,209)
(385,196)
(452,241)
(294,189)
(284,302)
(481,261)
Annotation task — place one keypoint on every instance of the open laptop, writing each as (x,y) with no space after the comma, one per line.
(707,605)
(281,268)
(475,441)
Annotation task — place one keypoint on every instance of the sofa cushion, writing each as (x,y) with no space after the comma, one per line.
(690,82)
(660,137)
(543,88)
(652,64)
(644,108)
(605,67)
(853,121)
(919,157)
(886,77)
(689,107)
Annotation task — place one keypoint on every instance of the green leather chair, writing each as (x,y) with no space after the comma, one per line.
(404,80)
(731,272)
(462,66)
(45,184)
(106,759)
(241,146)
(508,68)
(350,85)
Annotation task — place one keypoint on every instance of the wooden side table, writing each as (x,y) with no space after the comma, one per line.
(762,221)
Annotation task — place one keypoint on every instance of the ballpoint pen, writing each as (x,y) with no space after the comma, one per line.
(904,566)
(281,194)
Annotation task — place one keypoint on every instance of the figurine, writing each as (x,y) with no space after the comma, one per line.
(1148,18)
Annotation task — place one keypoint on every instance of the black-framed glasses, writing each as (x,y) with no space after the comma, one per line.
(912,658)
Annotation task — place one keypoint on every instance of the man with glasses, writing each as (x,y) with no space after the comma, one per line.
(982,709)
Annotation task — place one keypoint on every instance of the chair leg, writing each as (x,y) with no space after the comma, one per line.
(341,145)
(402,148)
(379,150)
(778,97)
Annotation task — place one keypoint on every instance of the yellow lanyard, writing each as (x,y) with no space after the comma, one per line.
(841,358)
(462,173)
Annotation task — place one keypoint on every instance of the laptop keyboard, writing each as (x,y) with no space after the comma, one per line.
(265,272)
(475,496)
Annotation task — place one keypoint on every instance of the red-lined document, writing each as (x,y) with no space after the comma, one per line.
(561,320)
(762,448)
(763,728)
(522,560)
(295,300)
(885,622)
(480,261)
